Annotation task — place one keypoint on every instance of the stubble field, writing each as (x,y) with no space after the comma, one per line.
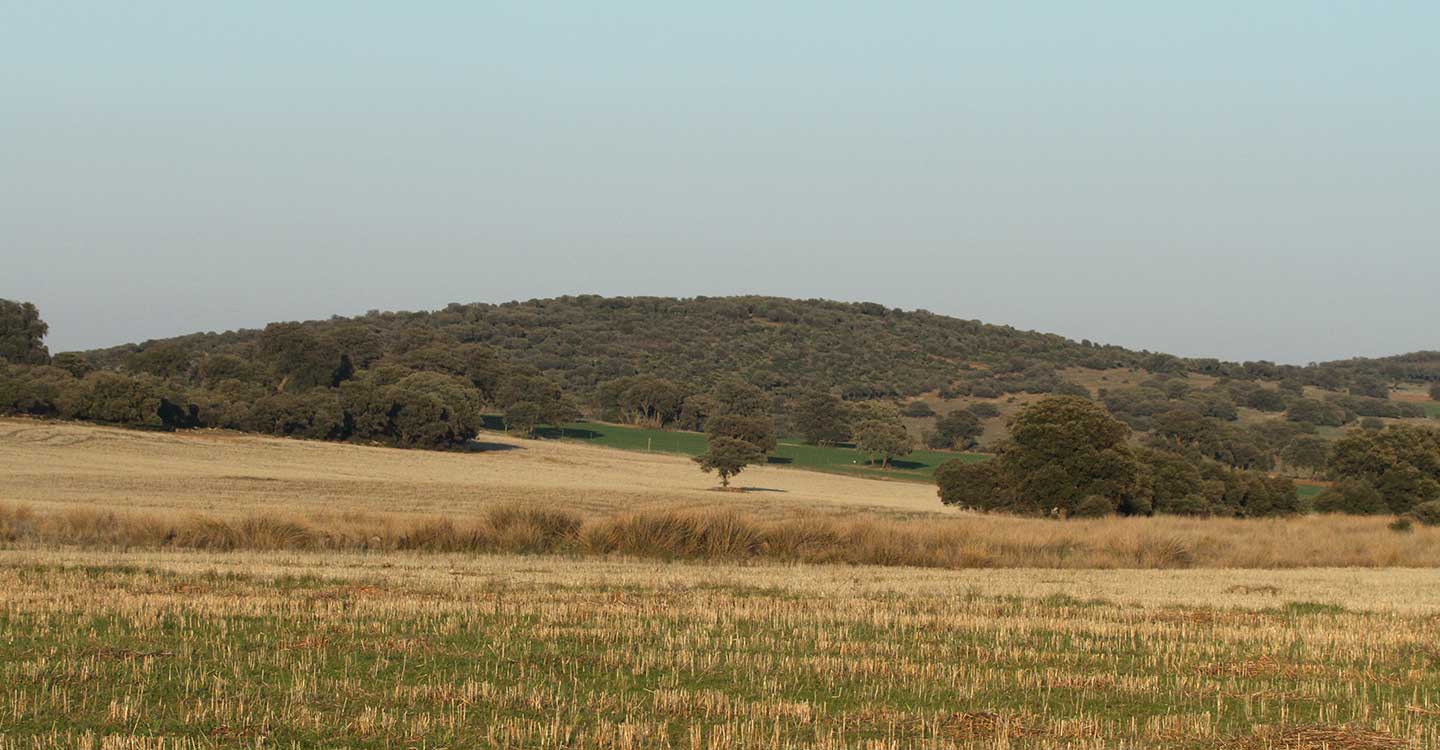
(152,641)
(181,650)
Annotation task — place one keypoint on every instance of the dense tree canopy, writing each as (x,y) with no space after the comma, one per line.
(22,334)
(1401,463)
(1064,451)
(883,439)
(821,419)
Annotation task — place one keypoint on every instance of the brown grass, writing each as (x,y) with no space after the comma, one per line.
(954,543)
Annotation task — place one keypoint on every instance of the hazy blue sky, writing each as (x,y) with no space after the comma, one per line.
(1241,179)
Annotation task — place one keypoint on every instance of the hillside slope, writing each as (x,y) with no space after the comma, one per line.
(780,344)
(858,349)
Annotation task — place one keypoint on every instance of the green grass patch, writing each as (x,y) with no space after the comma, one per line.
(918,466)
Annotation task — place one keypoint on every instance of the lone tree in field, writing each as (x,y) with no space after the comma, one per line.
(22,334)
(884,439)
(728,456)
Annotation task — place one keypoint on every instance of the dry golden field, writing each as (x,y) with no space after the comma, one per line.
(49,464)
(197,650)
(75,484)
(217,590)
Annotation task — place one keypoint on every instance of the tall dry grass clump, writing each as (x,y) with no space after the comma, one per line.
(963,542)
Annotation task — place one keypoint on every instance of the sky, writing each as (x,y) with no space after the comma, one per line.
(1235,179)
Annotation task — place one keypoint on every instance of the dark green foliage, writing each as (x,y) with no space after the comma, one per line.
(758,431)
(976,486)
(735,396)
(1066,388)
(38,391)
(163,359)
(918,409)
(530,399)
(421,409)
(1355,497)
(1306,452)
(883,439)
(1372,423)
(642,400)
(696,410)
(1402,525)
(1374,407)
(300,358)
(1254,495)
(1186,430)
(434,410)
(1061,450)
(72,363)
(1311,411)
(984,410)
(1401,462)
(821,419)
(1064,450)
(316,415)
(1427,513)
(1266,399)
(956,430)
(1371,386)
(728,456)
(118,399)
(228,404)
(1093,506)
(22,334)
(1173,482)
(217,368)
(1133,405)
(1213,403)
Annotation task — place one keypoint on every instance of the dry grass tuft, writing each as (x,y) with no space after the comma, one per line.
(926,542)
(1318,738)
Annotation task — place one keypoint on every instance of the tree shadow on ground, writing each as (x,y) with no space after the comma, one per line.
(779,460)
(496,423)
(555,433)
(894,464)
(480,446)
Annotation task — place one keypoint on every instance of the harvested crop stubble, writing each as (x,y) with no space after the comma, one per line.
(243,649)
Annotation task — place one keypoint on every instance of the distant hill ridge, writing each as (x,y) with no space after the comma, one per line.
(861,349)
